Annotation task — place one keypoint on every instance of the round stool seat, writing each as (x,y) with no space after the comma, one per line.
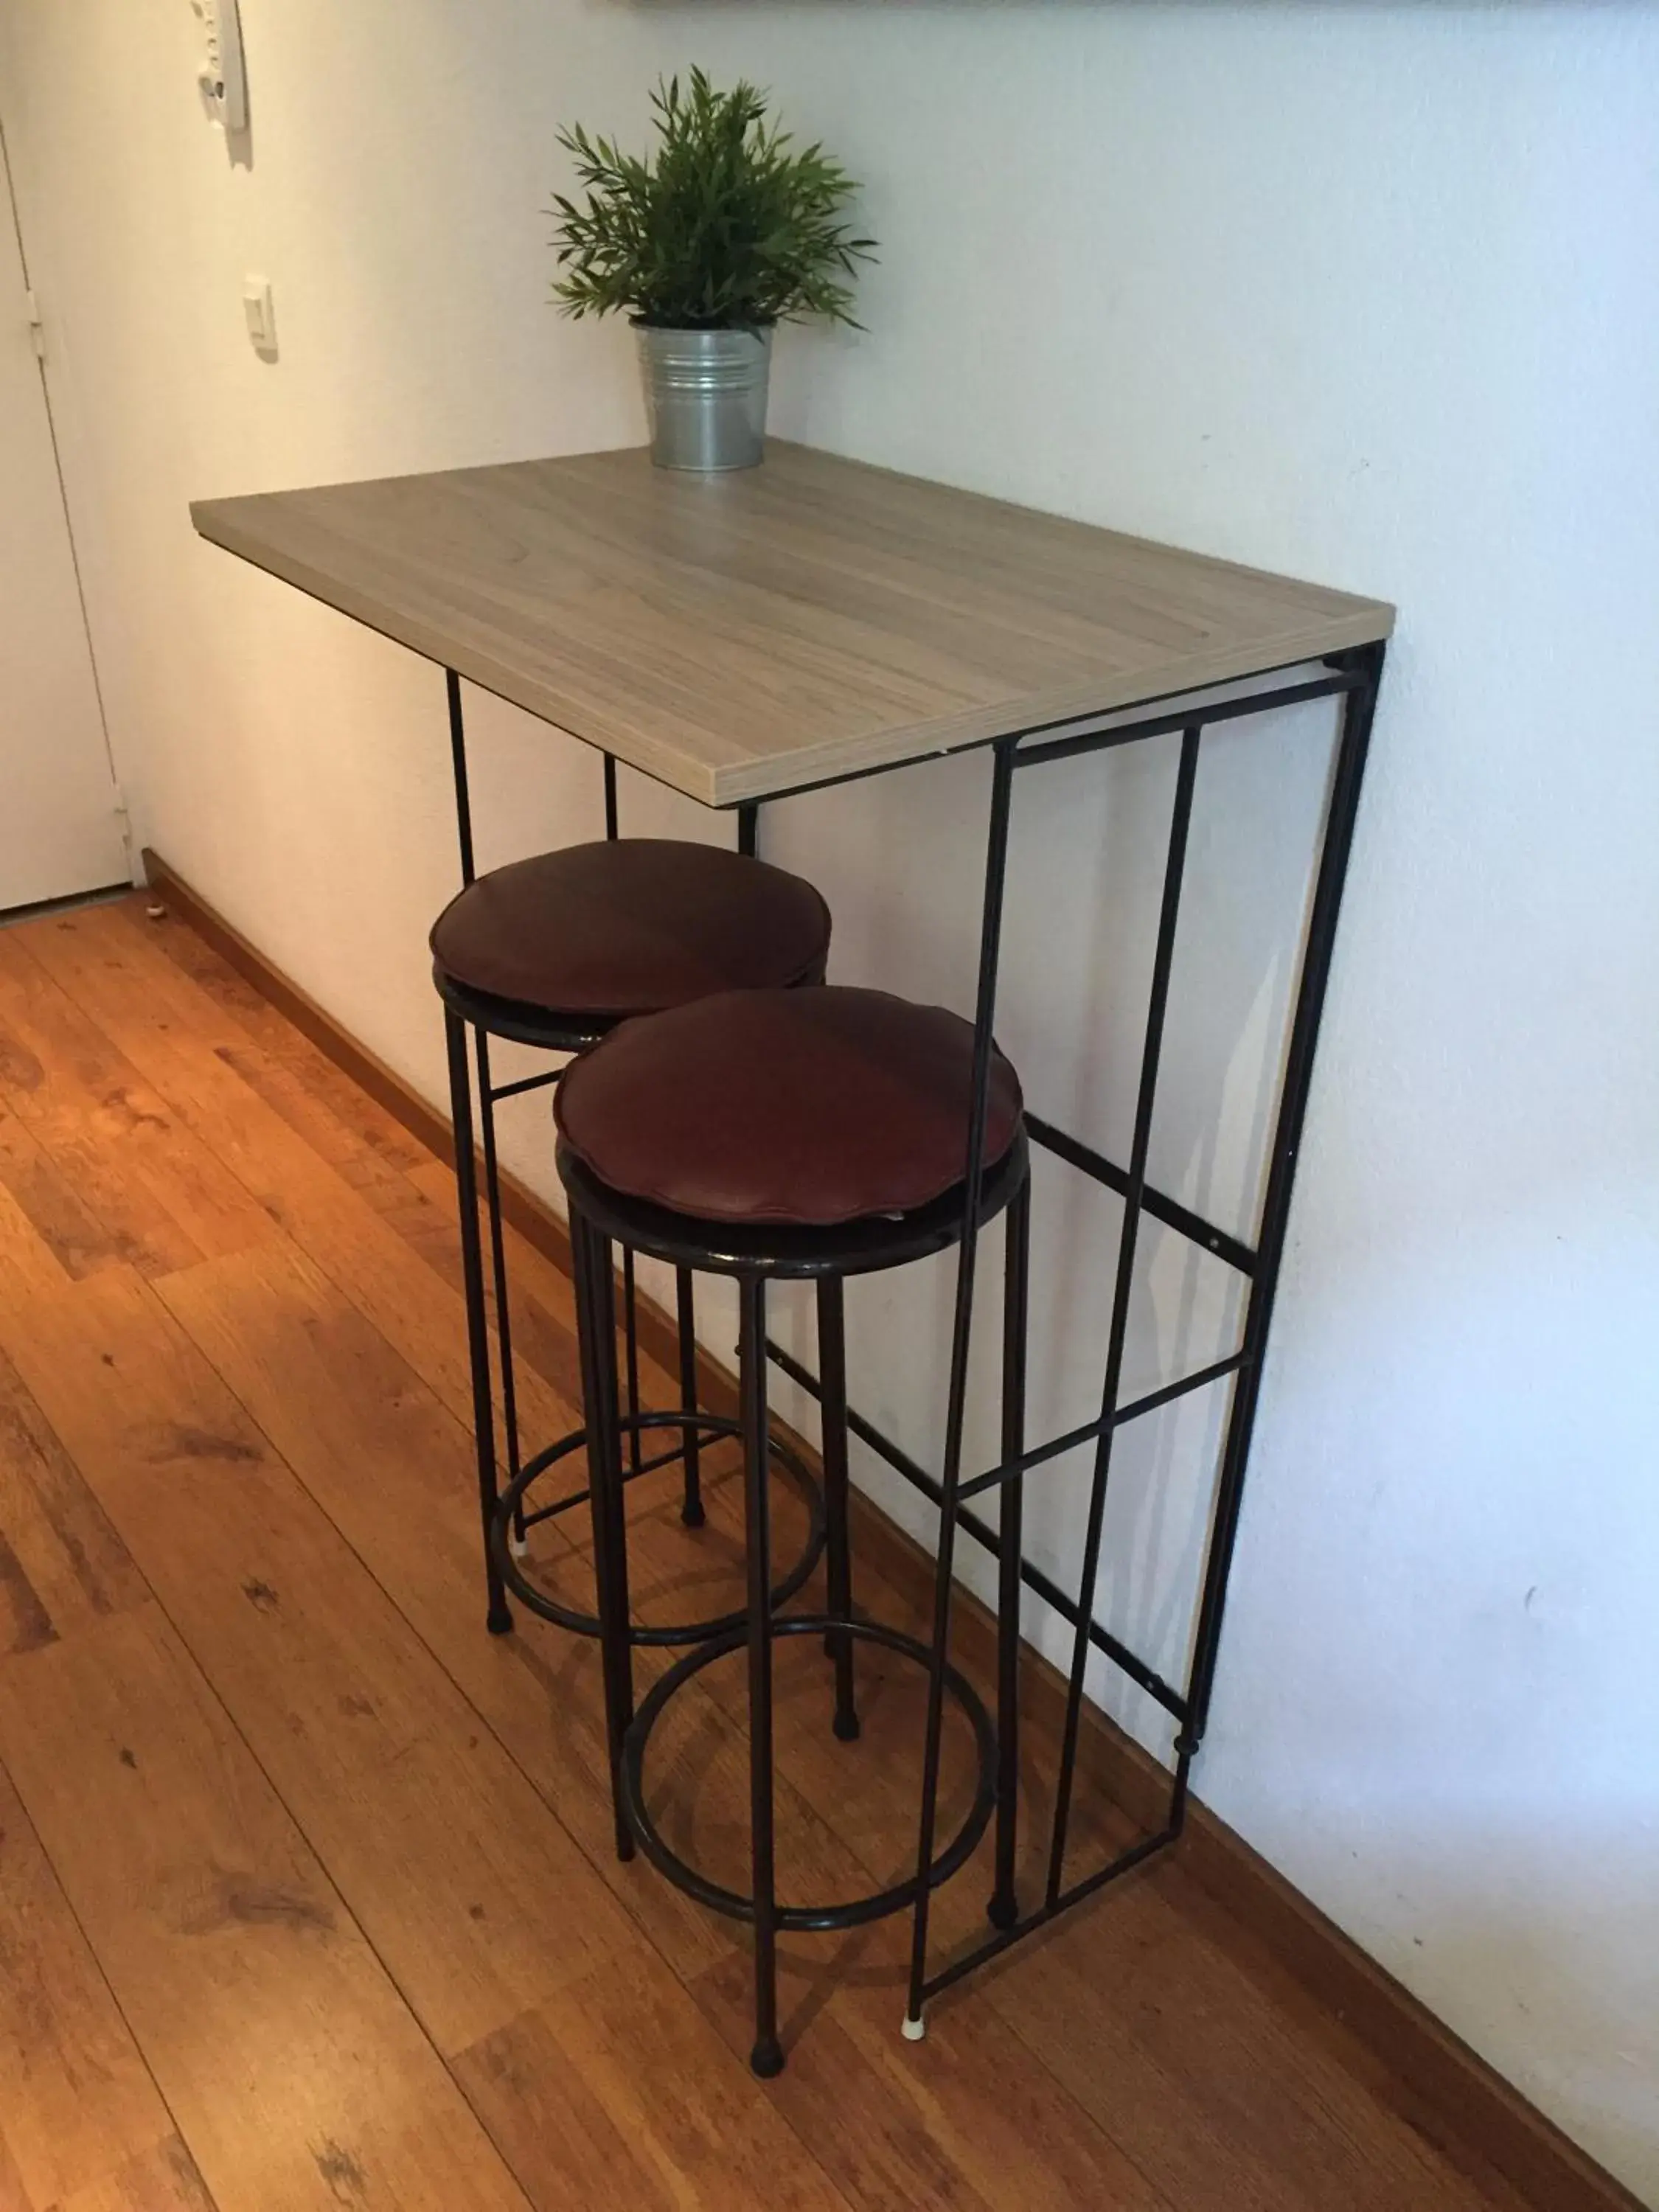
(629,925)
(812,1107)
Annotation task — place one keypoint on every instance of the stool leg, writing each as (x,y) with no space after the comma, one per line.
(631,1359)
(832,1375)
(1004,1908)
(596,1329)
(498,1263)
(691,1510)
(500,1620)
(767,2057)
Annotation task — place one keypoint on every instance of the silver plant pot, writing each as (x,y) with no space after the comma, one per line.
(705,394)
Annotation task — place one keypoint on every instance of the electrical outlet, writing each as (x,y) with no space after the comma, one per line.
(222,76)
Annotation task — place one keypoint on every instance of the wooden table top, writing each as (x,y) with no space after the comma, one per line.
(742,635)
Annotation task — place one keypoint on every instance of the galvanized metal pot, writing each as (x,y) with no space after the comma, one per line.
(705,394)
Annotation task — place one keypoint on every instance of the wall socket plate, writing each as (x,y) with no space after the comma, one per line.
(222,76)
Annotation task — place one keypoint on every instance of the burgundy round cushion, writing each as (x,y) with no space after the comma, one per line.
(630,925)
(787,1106)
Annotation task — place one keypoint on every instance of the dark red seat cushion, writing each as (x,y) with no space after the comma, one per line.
(785,1106)
(631,925)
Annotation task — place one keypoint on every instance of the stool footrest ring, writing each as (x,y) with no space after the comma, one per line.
(854,1912)
(707,1426)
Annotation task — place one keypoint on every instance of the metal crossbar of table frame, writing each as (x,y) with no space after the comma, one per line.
(986,1534)
(1354,678)
(1169,1211)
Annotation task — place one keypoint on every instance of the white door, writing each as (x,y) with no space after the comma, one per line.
(59,830)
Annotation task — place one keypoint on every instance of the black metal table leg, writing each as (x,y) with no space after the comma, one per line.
(1003,1909)
(458,763)
(996,863)
(1359,713)
(630,1308)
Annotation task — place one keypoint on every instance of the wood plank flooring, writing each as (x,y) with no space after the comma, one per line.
(307,1894)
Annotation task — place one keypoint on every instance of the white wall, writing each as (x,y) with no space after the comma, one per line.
(1365,292)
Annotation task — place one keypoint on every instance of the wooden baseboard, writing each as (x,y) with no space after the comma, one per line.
(1435,2079)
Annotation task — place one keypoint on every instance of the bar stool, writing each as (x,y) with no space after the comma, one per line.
(553,952)
(776,1135)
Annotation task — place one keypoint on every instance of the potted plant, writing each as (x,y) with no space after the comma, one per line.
(725,231)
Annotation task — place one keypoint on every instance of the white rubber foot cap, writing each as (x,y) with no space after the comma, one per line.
(520,1546)
(913,2031)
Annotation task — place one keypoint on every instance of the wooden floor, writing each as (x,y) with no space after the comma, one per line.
(306,1893)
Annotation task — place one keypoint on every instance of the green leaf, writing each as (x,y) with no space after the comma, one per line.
(721,227)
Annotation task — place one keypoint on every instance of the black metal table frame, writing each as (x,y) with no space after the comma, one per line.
(1354,678)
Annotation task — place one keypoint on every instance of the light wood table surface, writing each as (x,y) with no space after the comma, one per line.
(745,635)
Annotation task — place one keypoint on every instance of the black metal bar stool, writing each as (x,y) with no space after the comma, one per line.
(553,952)
(773,1136)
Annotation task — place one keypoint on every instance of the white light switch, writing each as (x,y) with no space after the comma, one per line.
(261,316)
